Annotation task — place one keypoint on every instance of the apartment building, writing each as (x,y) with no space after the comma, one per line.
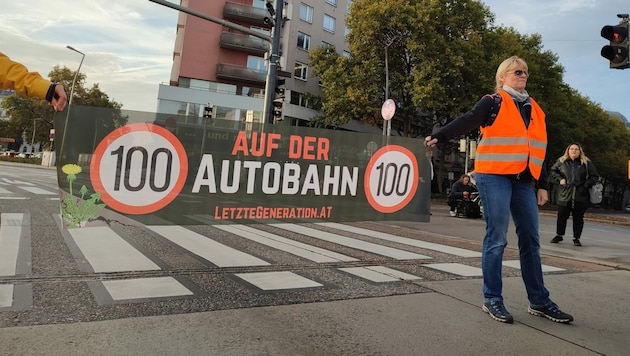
(220,66)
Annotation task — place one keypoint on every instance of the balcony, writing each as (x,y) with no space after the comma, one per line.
(243,43)
(245,13)
(241,74)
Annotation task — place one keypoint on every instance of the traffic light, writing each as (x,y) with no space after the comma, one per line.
(278,101)
(210,112)
(619,49)
(270,20)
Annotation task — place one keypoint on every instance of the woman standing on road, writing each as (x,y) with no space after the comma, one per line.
(575,174)
(511,181)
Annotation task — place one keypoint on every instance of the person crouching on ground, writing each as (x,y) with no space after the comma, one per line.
(459,191)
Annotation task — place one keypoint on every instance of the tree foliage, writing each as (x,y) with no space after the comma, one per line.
(441,59)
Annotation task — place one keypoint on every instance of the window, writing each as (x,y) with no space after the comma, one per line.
(257,63)
(329,23)
(299,99)
(348,7)
(303,41)
(332,2)
(259,4)
(300,71)
(346,54)
(306,13)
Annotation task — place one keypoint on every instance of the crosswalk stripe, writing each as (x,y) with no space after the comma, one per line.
(405,240)
(350,242)
(10,234)
(456,268)
(379,274)
(210,250)
(297,248)
(545,268)
(141,288)
(277,280)
(39,191)
(4,191)
(106,251)
(6,295)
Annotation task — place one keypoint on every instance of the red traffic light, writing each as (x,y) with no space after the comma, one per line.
(615,34)
(618,50)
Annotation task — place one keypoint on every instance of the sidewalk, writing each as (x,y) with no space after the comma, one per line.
(447,320)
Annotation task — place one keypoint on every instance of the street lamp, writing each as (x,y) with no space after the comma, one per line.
(74,81)
(76,74)
(33,139)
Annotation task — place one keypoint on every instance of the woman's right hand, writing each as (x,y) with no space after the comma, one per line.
(563,181)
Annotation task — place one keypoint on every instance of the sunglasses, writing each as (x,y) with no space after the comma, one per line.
(519,72)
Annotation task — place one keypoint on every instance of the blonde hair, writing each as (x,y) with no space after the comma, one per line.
(506,66)
(565,156)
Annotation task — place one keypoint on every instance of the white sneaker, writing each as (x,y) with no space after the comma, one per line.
(452,213)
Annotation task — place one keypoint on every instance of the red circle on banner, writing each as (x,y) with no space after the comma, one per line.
(144,137)
(395,165)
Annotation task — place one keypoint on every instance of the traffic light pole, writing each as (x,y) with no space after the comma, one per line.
(272,69)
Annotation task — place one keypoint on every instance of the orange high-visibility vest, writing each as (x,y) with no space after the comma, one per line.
(507,146)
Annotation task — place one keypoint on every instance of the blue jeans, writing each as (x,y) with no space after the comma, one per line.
(502,195)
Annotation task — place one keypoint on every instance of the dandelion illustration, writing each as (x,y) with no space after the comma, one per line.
(71,170)
(78,212)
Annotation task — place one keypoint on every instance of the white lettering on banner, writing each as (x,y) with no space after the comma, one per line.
(342,181)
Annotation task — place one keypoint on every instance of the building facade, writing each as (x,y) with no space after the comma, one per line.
(222,67)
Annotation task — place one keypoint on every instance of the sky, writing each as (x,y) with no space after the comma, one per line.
(128,44)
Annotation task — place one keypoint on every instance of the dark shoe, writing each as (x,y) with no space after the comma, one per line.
(556,239)
(551,312)
(497,311)
(576,242)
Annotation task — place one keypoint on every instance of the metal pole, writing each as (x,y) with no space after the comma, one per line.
(466,156)
(74,81)
(385,127)
(33,139)
(272,68)
(76,74)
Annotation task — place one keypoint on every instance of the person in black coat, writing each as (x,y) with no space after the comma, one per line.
(459,191)
(575,174)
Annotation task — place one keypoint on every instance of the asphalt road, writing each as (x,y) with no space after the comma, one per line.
(54,276)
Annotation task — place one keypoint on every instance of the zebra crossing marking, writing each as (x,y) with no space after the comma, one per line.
(405,240)
(208,249)
(10,234)
(545,268)
(277,280)
(37,190)
(142,288)
(353,243)
(5,191)
(105,251)
(456,268)
(380,274)
(6,295)
(309,252)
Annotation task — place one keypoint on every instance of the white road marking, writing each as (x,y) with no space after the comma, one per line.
(353,243)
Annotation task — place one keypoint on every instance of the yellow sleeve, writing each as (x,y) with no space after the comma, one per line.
(14,75)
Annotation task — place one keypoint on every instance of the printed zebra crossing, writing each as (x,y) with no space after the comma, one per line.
(18,187)
(106,251)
